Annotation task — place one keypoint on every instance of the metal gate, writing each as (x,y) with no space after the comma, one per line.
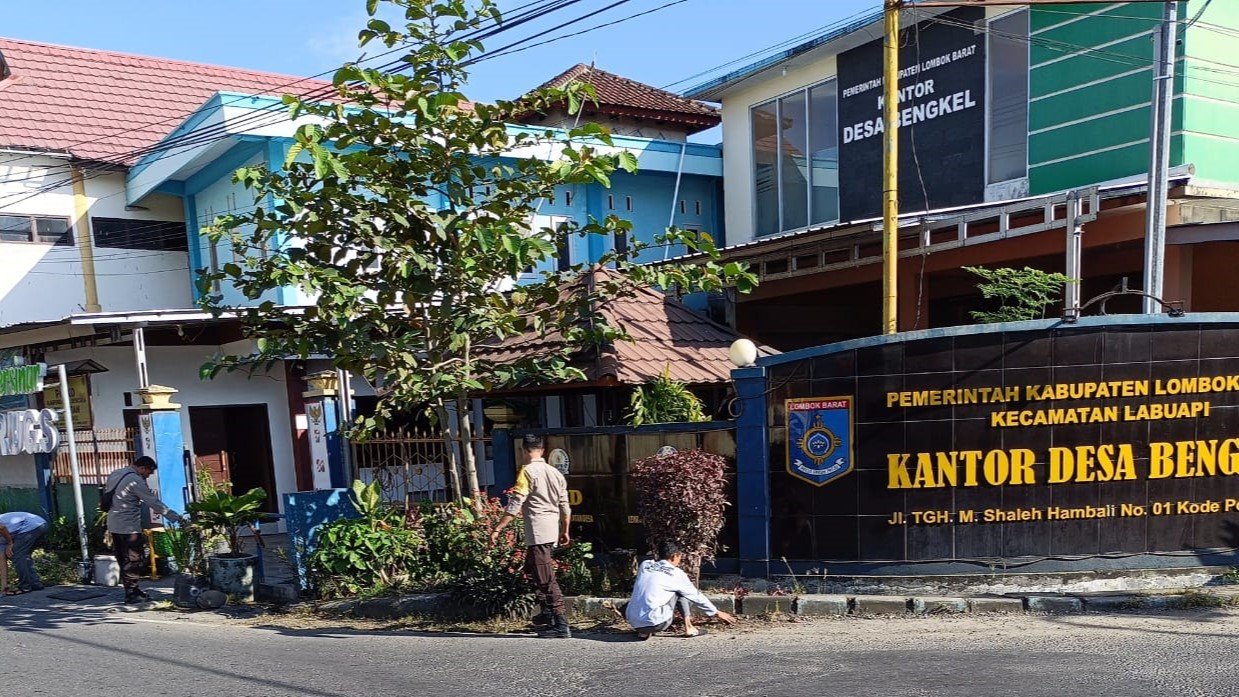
(411,465)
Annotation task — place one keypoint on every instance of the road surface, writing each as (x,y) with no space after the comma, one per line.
(69,650)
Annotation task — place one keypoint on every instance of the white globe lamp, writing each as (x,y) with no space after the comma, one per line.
(743,353)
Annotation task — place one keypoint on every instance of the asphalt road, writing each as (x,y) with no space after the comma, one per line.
(68,651)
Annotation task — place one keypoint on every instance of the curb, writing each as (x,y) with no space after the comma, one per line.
(812,605)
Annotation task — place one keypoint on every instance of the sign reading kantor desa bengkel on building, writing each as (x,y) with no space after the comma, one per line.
(1070,443)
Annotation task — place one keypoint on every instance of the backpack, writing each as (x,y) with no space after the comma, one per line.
(105,499)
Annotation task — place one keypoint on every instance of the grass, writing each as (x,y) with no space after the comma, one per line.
(1198,599)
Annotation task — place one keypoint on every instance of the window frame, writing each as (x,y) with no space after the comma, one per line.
(989,97)
(777,101)
(68,239)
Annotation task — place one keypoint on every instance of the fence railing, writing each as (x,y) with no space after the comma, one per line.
(410,465)
(100,451)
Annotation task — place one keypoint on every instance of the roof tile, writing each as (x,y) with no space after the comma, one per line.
(618,94)
(107,105)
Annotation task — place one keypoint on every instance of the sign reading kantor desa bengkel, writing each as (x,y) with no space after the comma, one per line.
(1068,443)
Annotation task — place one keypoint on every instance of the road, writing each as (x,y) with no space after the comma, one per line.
(72,651)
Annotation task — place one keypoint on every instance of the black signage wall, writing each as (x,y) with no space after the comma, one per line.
(992,449)
(942,126)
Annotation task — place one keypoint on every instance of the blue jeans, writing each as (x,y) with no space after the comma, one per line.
(23,546)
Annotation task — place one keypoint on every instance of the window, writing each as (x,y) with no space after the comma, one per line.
(628,203)
(796,159)
(1008,97)
(39,229)
(683,207)
(697,207)
(610,202)
(567,198)
(621,244)
(125,233)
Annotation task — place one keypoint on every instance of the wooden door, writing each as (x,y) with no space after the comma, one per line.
(209,429)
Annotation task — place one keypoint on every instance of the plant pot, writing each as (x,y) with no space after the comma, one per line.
(186,589)
(233,575)
(107,570)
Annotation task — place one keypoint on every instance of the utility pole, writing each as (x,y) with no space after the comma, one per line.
(1159,159)
(890,172)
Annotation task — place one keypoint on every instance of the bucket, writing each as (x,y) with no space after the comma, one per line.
(107,570)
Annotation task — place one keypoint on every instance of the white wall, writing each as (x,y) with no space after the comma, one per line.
(177,367)
(45,282)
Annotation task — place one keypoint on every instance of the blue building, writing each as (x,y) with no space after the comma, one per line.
(679,183)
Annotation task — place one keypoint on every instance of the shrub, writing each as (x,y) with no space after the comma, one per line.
(62,534)
(1022,294)
(377,551)
(682,497)
(663,401)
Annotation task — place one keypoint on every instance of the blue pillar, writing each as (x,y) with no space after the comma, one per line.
(753,471)
(161,438)
(504,459)
(335,444)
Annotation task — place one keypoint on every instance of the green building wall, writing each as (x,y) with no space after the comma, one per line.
(1090,86)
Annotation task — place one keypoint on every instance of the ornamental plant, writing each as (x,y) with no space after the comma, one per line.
(664,400)
(683,497)
(227,514)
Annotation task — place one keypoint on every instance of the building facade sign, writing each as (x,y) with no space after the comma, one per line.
(28,432)
(79,401)
(1066,443)
(21,380)
(941,118)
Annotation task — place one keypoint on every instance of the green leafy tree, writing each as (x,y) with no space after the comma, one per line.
(664,400)
(406,210)
(1022,294)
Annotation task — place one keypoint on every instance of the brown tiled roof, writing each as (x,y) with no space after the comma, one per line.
(665,336)
(621,96)
(104,106)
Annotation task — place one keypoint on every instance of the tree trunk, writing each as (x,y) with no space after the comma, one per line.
(465,424)
(452,466)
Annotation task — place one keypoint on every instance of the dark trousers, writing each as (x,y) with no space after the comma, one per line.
(540,566)
(131,554)
(23,546)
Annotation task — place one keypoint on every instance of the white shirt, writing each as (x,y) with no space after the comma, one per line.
(657,584)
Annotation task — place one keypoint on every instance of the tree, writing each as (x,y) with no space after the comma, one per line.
(1022,294)
(405,210)
(682,498)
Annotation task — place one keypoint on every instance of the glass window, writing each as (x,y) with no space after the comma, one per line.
(14,228)
(824,153)
(796,184)
(41,229)
(794,160)
(1008,97)
(765,159)
(125,233)
(52,230)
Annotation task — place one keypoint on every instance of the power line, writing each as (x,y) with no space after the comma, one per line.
(583,31)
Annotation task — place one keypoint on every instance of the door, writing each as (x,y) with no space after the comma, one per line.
(233,443)
(210,435)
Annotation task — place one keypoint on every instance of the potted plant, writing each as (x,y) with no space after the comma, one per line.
(231,572)
(184,546)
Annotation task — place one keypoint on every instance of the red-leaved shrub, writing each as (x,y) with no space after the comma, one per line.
(682,498)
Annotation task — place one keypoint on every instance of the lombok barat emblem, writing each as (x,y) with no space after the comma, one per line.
(819,438)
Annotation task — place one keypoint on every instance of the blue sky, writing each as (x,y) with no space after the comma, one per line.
(304,37)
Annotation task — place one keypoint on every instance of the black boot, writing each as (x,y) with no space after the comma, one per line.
(542,620)
(559,630)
